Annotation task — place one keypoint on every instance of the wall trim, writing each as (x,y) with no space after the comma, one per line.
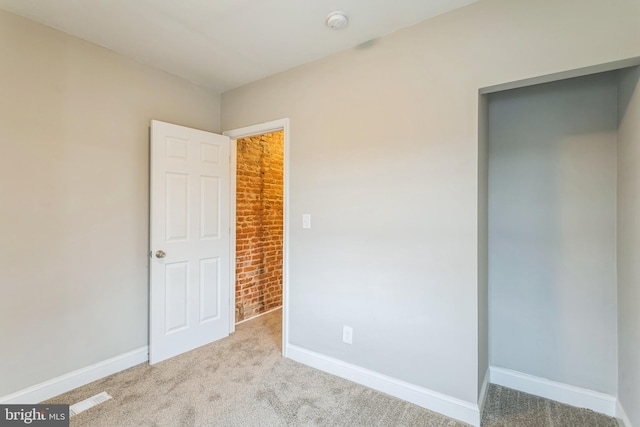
(482,398)
(621,415)
(563,75)
(564,393)
(428,399)
(56,386)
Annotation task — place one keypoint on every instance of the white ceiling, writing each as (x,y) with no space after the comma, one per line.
(223,44)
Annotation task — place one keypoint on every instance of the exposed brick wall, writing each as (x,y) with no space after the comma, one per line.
(259,224)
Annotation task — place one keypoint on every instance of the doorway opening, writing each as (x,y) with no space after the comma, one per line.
(259,222)
(553,199)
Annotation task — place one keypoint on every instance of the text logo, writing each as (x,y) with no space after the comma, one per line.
(34,415)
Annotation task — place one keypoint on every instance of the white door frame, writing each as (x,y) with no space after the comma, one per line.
(234,135)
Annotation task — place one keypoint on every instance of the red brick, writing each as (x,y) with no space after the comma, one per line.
(259,224)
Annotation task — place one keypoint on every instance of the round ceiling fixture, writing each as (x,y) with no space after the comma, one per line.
(337,20)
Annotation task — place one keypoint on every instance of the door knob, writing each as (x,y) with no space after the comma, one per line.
(161,254)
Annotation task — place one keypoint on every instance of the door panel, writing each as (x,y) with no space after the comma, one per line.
(210,203)
(176,294)
(209,289)
(190,279)
(177,186)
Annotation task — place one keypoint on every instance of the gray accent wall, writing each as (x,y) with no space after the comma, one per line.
(629,244)
(384,156)
(74,155)
(552,231)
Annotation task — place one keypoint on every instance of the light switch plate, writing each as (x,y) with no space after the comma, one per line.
(347,334)
(306,220)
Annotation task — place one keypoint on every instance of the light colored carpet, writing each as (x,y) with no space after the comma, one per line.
(243,381)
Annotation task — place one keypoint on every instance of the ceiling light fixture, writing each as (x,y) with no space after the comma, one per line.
(337,20)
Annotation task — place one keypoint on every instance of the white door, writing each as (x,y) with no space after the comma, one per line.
(189,239)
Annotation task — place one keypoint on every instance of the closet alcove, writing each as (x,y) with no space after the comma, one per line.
(560,200)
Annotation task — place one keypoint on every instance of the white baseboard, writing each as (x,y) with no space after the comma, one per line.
(621,415)
(62,384)
(428,399)
(564,393)
(482,398)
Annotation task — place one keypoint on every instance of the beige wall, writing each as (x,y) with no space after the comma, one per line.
(629,243)
(74,123)
(384,156)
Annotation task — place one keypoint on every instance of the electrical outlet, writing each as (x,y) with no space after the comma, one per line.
(347,334)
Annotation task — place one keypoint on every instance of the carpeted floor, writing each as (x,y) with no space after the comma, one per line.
(243,381)
(505,407)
